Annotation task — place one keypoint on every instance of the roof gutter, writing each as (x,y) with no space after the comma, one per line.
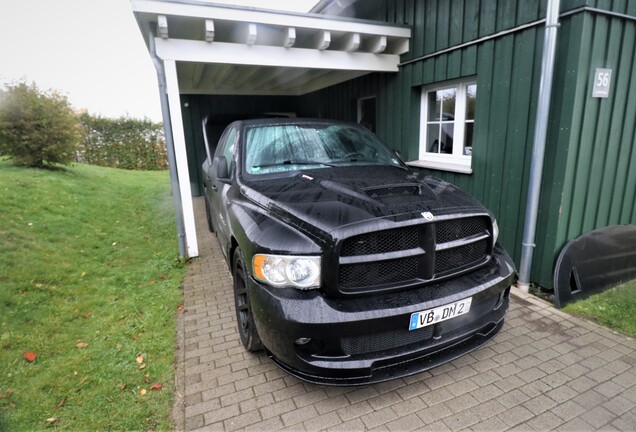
(167,129)
(538,149)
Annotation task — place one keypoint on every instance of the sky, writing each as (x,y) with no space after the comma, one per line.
(89,50)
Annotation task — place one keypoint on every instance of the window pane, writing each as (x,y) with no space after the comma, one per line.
(434,104)
(471,100)
(432,140)
(446,144)
(291,147)
(448,103)
(468,138)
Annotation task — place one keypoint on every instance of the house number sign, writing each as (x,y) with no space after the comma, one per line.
(602,80)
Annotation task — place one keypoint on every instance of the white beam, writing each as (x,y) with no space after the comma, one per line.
(290,37)
(267,17)
(209,30)
(282,81)
(321,40)
(244,34)
(293,82)
(242,77)
(374,44)
(398,46)
(251,34)
(162,26)
(178,136)
(262,55)
(266,75)
(197,74)
(350,42)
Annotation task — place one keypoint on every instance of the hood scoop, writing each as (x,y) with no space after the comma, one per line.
(386,191)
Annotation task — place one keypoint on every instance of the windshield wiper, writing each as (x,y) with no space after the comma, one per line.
(293,162)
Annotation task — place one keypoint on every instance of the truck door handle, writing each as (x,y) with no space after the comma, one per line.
(214,188)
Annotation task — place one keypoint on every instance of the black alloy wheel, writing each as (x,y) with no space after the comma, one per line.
(244,316)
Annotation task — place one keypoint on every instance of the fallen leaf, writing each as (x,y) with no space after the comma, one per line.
(151,282)
(87,315)
(81,345)
(61,404)
(142,366)
(122,386)
(147,379)
(7,395)
(142,392)
(114,243)
(139,359)
(52,420)
(155,387)
(119,346)
(29,356)
(163,276)
(135,337)
(180,308)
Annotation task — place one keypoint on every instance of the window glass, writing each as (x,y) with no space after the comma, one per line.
(228,144)
(471,100)
(291,147)
(448,112)
(468,139)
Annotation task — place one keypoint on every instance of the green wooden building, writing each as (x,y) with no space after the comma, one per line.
(462,101)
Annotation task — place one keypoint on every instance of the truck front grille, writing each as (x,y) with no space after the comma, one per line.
(401,257)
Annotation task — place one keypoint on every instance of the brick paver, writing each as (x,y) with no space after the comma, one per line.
(545,370)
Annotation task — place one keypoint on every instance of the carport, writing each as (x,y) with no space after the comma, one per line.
(201,48)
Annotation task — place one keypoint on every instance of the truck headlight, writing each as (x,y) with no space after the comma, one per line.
(287,270)
(495,231)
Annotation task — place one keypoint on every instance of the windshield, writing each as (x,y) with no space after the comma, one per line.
(291,147)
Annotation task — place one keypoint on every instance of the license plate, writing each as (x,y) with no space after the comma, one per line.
(439,314)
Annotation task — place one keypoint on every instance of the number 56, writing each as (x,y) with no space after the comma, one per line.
(602,79)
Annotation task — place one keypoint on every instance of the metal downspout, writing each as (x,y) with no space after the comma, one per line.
(167,128)
(538,148)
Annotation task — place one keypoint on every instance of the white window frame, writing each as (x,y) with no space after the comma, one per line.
(457,161)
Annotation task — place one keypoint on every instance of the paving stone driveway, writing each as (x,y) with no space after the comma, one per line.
(545,370)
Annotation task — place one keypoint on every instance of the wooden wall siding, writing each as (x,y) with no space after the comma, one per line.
(600,172)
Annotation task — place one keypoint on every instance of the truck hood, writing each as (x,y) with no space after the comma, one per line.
(332,198)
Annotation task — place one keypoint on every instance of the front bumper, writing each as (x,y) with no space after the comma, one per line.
(350,341)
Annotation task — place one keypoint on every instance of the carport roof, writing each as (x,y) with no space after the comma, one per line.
(220,49)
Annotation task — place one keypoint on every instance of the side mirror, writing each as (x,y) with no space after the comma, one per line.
(222,170)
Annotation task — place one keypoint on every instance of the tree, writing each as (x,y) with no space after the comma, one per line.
(37,128)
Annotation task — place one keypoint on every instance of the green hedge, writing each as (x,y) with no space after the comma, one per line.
(122,143)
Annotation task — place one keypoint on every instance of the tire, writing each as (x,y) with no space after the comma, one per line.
(244,316)
(208,216)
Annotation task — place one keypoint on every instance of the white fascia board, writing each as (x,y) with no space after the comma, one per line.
(262,55)
(266,17)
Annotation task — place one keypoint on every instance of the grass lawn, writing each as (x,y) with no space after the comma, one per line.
(615,308)
(90,283)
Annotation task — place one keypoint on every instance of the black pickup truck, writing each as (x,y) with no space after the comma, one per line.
(348,266)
